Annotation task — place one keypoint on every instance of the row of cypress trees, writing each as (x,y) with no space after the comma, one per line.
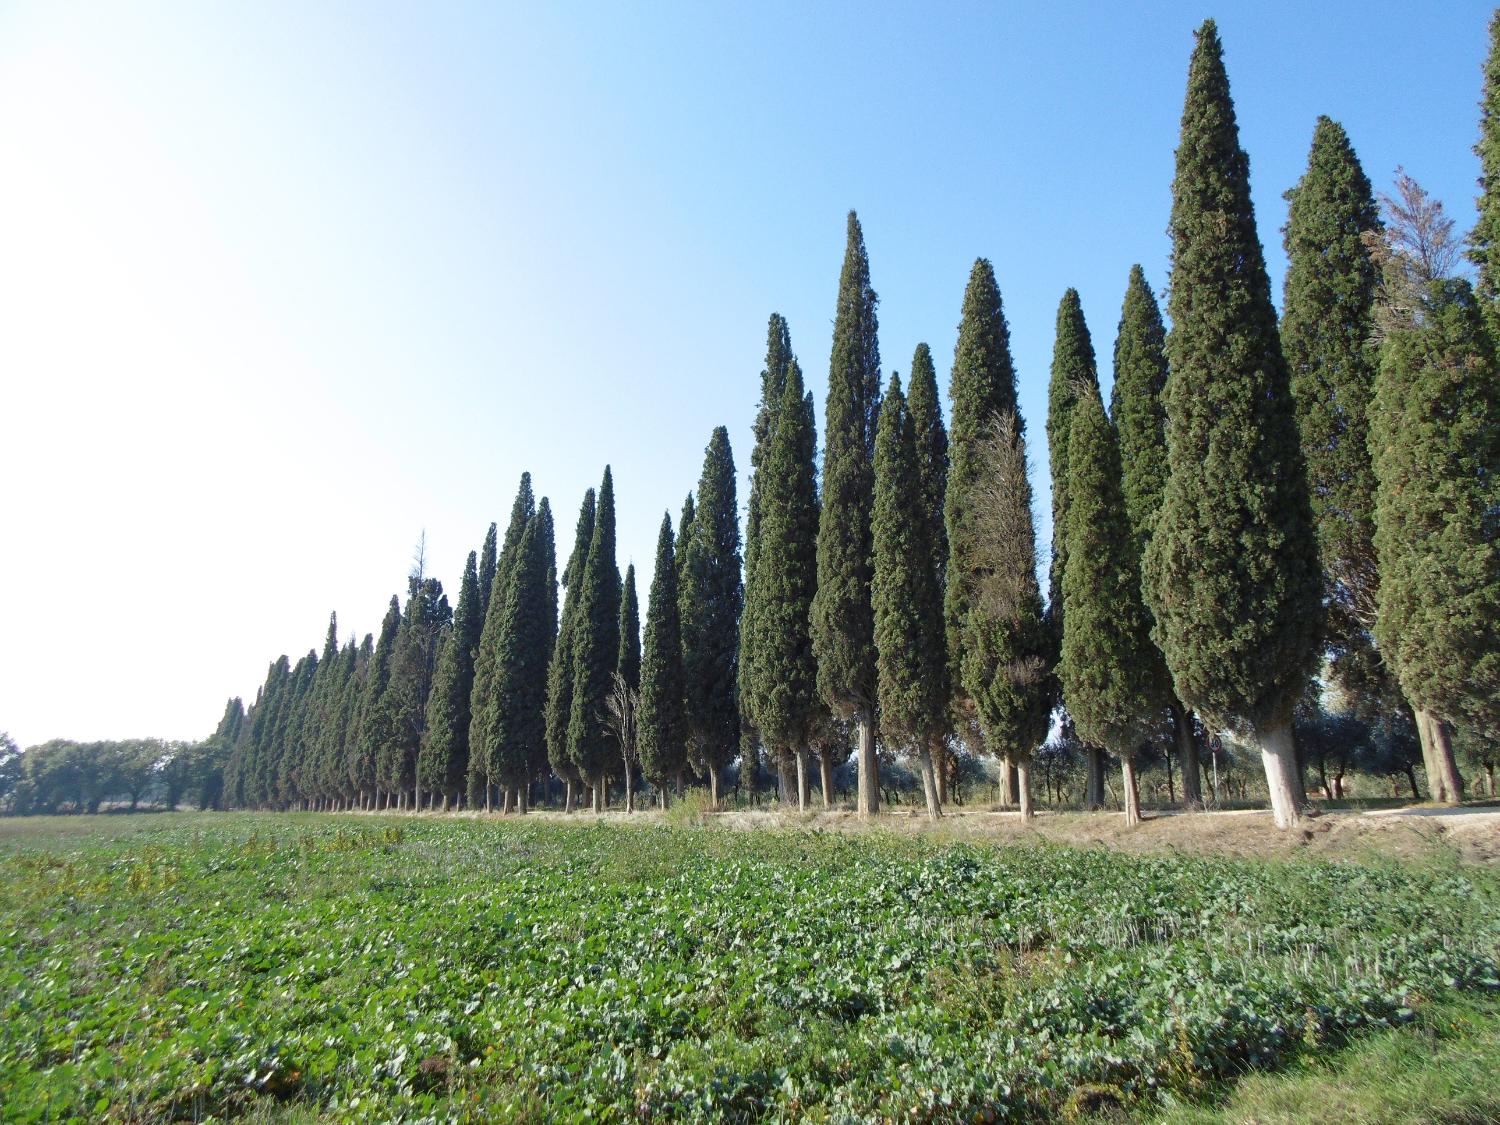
(1259,494)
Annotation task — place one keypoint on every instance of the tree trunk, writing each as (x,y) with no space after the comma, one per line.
(713,788)
(567,795)
(825,769)
(1411,779)
(524,795)
(940,768)
(1132,793)
(929,783)
(1443,780)
(1093,792)
(869,767)
(1187,757)
(1489,779)
(629,789)
(1023,787)
(1278,756)
(801,779)
(1007,787)
(783,777)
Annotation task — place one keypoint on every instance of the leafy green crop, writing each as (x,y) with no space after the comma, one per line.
(436,969)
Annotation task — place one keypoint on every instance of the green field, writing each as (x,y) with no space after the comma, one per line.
(182,966)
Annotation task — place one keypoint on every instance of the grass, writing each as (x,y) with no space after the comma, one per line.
(377,968)
(1439,1069)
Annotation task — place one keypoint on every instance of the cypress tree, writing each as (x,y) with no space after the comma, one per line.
(1232,568)
(596,644)
(982,391)
(1484,239)
(1326,330)
(1111,672)
(443,763)
(783,685)
(373,724)
(628,660)
(773,378)
(488,561)
(413,665)
(548,532)
(709,600)
(516,728)
(1074,371)
(481,707)
(932,470)
(843,622)
(332,777)
(1010,646)
(560,672)
(1140,420)
(1435,440)
(684,533)
(661,735)
(911,662)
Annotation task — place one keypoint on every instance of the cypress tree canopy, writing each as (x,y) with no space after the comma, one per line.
(488,560)
(1109,666)
(1136,406)
(709,602)
(783,682)
(661,735)
(911,661)
(374,721)
(932,453)
(981,389)
(1326,330)
(1484,240)
(1435,438)
(596,644)
(1232,569)
(843,623)
(1074,371)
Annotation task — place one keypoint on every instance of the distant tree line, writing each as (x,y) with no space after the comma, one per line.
(1280,545)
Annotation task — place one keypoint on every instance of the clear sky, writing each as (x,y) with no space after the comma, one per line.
(283,284)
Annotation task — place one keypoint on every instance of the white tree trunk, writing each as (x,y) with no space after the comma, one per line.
(825,767)
(567,795)
(1023,787)
(869,767)
(713,788)
(1132,790)
(929,783)
(940,768)
(1279,758)
(801,779)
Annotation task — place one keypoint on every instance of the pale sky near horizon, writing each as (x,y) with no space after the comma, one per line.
(283,284)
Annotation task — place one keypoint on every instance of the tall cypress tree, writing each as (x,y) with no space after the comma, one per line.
(596,645)
(516,728)
(628,660)
(782,685)
(911,662)
(1232,569)
(661,735)
(482,704)
(1327,326)
(373,725)
(488,561)
(773,378)
(843,622)
(932,469)
(709,602)
(1435,437)
(684,533)
(1074,372)
(413,664)
(981,389)
(560,672)
(444,760)
(1140,420)
(1111,674)
(1484,239)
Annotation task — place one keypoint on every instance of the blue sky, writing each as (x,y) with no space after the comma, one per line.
(286,284)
